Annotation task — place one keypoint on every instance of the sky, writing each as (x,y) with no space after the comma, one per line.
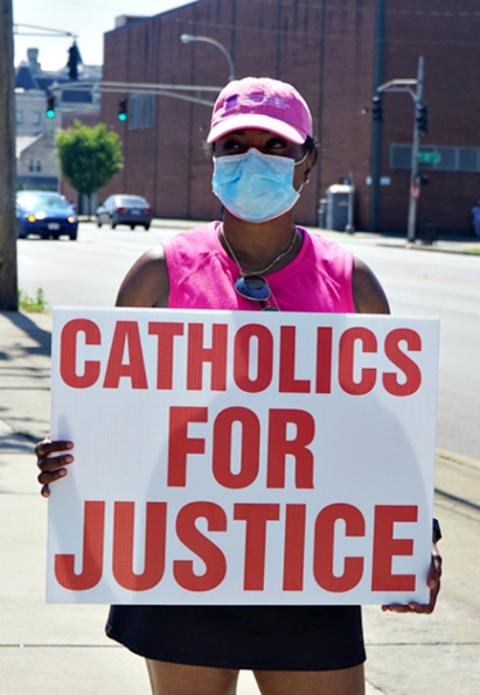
(87,18)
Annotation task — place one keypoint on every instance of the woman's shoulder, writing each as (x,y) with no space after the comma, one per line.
(328,256)
(328,248)
(367,292)
(146,283)
(190,251)
(195,240)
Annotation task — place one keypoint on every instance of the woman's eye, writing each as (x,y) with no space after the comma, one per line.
(276,144)
(231,146)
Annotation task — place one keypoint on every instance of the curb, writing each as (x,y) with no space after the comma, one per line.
(459,459)
(426,247)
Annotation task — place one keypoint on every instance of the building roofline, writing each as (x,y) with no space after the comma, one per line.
(142,19)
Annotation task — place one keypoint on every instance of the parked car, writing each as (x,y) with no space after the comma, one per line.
(45,213)
(131,210)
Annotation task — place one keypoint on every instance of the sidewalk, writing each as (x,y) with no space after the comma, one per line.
(468,245)
(60,649)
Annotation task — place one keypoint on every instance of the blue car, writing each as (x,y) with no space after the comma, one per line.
(45,214)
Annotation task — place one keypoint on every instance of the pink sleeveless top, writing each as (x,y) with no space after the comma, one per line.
(202,275)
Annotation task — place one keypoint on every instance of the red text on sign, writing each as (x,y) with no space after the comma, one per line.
(181,445)
(250,356)
(256,519)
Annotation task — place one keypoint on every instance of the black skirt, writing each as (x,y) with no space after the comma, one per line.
(279,638)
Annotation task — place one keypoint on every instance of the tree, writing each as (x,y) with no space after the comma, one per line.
(89,157)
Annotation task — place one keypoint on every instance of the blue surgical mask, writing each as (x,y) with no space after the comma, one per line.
(255,187)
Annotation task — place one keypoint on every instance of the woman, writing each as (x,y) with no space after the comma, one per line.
(257,258)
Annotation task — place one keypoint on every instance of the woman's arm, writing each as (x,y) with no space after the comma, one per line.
(368,294)
(146,283)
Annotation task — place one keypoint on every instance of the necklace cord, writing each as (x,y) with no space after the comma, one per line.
(271,265)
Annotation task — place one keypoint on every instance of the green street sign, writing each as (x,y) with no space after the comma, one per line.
(429,157)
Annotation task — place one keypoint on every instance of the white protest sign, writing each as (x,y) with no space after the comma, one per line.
(242,457)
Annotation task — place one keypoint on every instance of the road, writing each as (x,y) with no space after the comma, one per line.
(418,284)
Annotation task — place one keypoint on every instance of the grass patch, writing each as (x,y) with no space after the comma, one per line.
(34,305)
(475,251)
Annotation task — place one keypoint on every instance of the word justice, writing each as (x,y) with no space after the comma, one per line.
(249,354)
(256,520)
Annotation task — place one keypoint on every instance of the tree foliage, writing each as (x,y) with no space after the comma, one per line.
(89,156)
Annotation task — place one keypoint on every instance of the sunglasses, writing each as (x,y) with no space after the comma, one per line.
(255,288)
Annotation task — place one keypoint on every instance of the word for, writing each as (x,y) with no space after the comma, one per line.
(250,356)
(279,446)
(255,517)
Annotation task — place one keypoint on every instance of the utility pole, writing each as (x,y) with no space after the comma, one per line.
(377,128)
(414,184)
(8,222)
(419,128)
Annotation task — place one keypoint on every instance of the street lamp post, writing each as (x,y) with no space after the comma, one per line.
(188,38)
(414,187)
(414,87)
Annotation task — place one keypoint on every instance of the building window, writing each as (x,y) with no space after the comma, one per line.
(148,110)
(436,158)
(134,111)
(31,165)
(468,158)
(19,117)
(36,118)
(38,166)
(141,111)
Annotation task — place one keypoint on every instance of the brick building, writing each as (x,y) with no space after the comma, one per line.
(335,52)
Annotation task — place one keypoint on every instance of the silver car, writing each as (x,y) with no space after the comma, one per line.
(131,210)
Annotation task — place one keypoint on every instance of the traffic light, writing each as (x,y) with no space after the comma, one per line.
(50,110)
(74,59)
(377,108)
(421,118)
(122,114)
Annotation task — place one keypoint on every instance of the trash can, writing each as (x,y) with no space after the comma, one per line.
(427,232)
(340,199)
(322,214)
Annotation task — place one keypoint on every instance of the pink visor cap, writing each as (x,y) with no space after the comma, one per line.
(263,103)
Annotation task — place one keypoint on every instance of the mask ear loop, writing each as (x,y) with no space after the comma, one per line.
(300,161)
(304,183)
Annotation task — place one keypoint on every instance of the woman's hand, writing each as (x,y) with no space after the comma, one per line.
(52,467)
(433,583)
